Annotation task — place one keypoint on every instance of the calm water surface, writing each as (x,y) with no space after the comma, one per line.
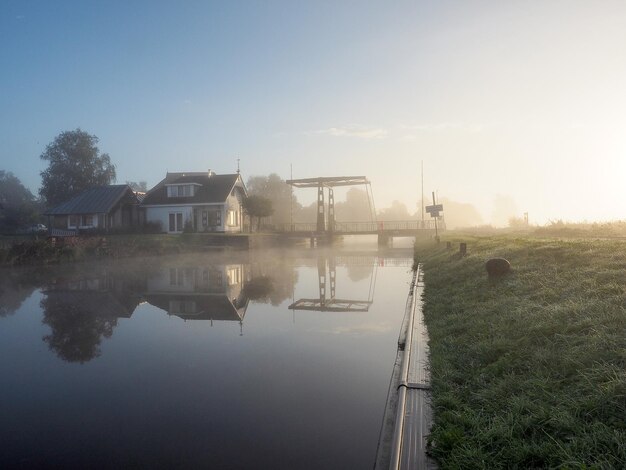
(279,359)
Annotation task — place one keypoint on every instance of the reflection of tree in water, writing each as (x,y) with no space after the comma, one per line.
(11,298)
(272,280)
(76,330)
(259,288)
(15,288)
(358,273)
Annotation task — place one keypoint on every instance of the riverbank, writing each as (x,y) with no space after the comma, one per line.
(41,251)
(528,370)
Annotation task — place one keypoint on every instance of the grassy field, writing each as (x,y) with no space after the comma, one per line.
(528,371)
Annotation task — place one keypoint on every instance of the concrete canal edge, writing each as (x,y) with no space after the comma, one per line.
(408,416)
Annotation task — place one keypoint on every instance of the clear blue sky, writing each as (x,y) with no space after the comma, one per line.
(524,99)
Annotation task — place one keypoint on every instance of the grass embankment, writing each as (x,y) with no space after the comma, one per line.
(39,250)
(529,370)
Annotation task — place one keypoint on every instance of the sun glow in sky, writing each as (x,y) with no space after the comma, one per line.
(522,99)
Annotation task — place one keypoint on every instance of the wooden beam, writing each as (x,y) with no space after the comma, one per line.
(328,181)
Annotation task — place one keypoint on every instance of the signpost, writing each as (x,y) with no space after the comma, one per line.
(434,211)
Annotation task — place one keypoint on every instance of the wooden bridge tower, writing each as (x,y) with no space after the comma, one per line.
(326,225)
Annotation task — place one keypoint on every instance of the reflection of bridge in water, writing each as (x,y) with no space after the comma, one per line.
(327,227)
(327,284)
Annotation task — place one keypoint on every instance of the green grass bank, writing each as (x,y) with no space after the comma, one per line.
(529,370)
(17,251)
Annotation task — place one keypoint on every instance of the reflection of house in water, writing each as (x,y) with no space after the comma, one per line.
(104,296)
(213,292)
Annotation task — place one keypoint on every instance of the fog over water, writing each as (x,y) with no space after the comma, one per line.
(236,360)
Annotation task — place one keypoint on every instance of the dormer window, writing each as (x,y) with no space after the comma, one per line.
(181,190)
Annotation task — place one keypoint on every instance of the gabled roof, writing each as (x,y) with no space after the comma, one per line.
(208,306)
(213,189)
(93,201)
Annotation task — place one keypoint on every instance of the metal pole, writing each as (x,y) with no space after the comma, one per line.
(396,444)
(422,201)
(436,232)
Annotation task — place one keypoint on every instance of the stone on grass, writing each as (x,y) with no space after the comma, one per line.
(497,266)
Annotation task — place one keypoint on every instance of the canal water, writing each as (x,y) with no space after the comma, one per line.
(273,359)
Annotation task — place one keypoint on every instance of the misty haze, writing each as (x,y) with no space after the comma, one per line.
(313,235)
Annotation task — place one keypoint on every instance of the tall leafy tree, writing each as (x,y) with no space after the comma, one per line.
(274,188)
(397,211)
(259,207)
(17,204)
(356,207)
(75,164)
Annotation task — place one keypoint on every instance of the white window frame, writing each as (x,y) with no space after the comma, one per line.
(181,190)
(178,228)
(233,219)
(87,221)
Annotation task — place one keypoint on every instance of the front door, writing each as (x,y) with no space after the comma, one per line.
(176,222)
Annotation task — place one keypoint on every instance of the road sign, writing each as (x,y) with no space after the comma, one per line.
(434,209)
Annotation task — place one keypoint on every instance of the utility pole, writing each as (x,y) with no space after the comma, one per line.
(422,201)
(436,230)
(291,198)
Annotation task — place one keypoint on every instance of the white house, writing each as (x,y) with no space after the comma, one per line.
(204,202)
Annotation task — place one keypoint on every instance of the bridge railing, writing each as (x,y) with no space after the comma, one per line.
(357,227)
(294,227)
(385,225)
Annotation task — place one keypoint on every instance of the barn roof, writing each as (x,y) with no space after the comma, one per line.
(93,201)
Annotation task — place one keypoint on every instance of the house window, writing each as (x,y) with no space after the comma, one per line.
(86,221)
(218,217)
(233,218)
(205,218)
(72,221)
(234,276)
(176,222)
(182,190)
(215,278)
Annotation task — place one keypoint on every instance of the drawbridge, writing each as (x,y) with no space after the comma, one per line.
(326,225)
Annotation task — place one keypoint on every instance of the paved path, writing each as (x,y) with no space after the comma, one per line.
(408,415)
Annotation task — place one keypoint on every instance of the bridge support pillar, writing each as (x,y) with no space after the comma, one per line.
(383,239)
(321,216)
(331,210)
